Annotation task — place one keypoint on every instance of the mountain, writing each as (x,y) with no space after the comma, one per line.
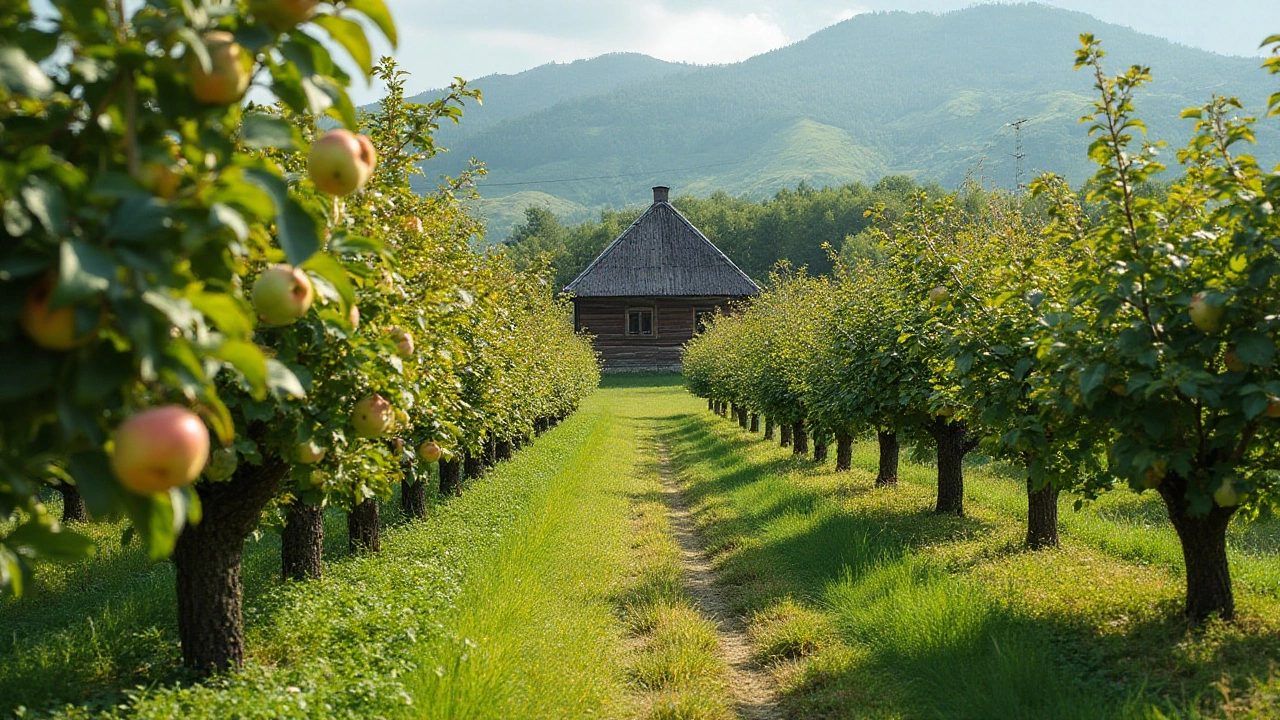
(927,95)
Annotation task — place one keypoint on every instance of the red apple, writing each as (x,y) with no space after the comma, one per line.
(403,340)
(310,453)
(282,294)
(1205,316)
(159,449)
(939,295)
(230,72)
(340,162)
(372,417)
(48,328)
(283,15)
(1273,408)
(1233,361)
(429,452)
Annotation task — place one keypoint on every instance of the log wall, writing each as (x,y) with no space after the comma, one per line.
(606,319)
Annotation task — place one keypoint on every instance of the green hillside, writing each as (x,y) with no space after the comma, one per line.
(501,214)
(921,94)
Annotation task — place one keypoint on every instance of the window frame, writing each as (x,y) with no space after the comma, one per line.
(653,321)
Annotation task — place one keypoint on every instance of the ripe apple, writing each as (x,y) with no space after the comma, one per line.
(1273,408)
(429,452)
(283,15)
(353,317)
(282,294)
(159,449)
(310,453)
(939,295)
(230,72)
(372,417)
(1205,316)
(1226,495)
(50,329)
(340,162)
(222,464)
(1233,361)
(1119,388)
(1154,474)
(403,340)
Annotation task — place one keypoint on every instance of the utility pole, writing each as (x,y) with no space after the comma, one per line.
(1018,155)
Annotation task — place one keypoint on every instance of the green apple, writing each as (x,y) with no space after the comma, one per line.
(282,294)
(1226,495)
(160,449)
(283,15)
(341,162)
(429,452)
(372,417)
(1205,316)
(228,77)
(939,295)
(310,453)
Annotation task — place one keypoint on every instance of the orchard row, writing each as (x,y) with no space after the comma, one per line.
(1124,340)
(211,308)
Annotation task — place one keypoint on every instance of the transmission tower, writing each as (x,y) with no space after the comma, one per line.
(1018,155)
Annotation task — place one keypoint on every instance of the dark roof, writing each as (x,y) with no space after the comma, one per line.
(662,254)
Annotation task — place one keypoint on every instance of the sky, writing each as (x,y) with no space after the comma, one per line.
(440,39)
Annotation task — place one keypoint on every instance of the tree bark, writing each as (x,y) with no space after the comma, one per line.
(733,411)
(1042,516)
(364,527)
(799,439)
(768,428)
(302,542)
(1204,552)
(503,449)
(711,405)
(207,561)
(785,433)
(490,453)
(844,452)
(819,447)
(73,508)
(413,491)
(450,477)
(742,417)
(887,475)
(953,445)
(472,465)
(755,422)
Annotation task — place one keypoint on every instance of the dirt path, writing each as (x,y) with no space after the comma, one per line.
(753,688)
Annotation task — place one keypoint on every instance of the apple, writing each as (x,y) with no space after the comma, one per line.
(283,15)
(1273,408)
(429,452)
(1233,361)
(48,328)
(1154,474)
(160,449)
(403,340)
(945,412)
(353,317)
(1119,388)
(1205,316)
(230,72)
(1226,495)
(939,295)
(282,294)
(341,162)
(161,179)
(222,464)
(309,453)
(372,417)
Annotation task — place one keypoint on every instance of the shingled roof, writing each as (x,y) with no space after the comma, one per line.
(662,254)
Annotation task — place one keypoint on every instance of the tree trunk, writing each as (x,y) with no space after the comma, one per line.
(755,422)
(1204,552)
(364,528)
(768,428)
(733,411)
(472,465)
(413,491)
(207,561)
(819,447)
(711,405)
(1042,516)
(742,417)
(503,448)
(785,433)
(799,439)
(844,452)
(887,475)
(450,477)
(490,453)
(73,507)
(953,445)
(302,542)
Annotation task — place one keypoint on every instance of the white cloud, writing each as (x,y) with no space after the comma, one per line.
(707,36)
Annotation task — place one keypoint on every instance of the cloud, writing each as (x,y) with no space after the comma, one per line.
(707,36)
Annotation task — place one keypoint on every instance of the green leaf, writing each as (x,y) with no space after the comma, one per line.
(1255,348)
(83,272)
(47,204)
(248,359)
(295,227)
(92,472)
(21,76)
(37,540)
(24,374)
(261,131)
(138,220)
(377,11)
(1092,378)
(350,35)
(230,218)
(330,269)
(282,381)
(224,311)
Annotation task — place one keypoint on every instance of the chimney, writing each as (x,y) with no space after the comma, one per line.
(660,194)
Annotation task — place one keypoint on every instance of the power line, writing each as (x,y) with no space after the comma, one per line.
(612,177)
(1018,155)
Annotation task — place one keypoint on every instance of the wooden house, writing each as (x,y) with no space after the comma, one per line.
(651,289)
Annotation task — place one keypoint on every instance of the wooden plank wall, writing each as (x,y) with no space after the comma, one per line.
(606,319)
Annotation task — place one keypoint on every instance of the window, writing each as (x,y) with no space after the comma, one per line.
(700,319)
(640,321)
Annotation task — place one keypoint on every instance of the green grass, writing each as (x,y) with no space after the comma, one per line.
(869,606)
